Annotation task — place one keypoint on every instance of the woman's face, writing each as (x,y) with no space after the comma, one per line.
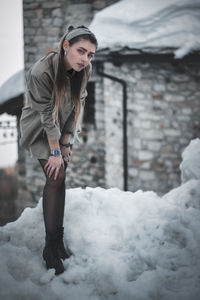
(79,54)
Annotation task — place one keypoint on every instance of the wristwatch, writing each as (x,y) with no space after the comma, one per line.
(56,152)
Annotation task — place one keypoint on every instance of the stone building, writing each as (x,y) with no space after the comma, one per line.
(151,112)
(150,65)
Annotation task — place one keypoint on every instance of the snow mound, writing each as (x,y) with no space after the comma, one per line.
(149,23)
(190,166)
(126,245)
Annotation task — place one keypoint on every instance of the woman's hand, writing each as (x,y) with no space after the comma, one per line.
(66,153)
(53,166)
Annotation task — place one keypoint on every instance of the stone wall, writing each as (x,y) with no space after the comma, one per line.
(87,167)
(163,116)
(46,21)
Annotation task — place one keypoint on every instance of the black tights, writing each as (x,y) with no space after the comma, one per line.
(53,199)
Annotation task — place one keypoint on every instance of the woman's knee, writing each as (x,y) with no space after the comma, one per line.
(59,180)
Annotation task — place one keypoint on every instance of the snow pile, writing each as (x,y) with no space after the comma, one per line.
(149,23)
(190,166)
(126,246)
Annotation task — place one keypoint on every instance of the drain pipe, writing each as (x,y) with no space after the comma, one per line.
(125,148)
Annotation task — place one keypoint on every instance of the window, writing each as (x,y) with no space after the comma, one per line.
(89,111)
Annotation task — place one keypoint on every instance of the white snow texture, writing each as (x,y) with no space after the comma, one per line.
(149,23)
(132,246)
(190,166)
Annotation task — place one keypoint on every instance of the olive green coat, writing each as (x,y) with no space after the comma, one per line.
(38,115)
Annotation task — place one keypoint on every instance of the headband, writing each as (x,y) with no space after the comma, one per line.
(76,32)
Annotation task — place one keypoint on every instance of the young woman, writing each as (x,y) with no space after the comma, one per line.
(55,94)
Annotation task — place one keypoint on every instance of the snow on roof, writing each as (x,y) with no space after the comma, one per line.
(13,87)
(149,23)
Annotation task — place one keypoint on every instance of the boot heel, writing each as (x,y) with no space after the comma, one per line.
(64,253)
(50,254)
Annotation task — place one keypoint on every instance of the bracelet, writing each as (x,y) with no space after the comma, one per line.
(65,145)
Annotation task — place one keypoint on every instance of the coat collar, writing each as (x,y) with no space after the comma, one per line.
(68,74)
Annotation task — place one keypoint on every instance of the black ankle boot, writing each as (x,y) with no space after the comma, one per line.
(63,251)
(51,254)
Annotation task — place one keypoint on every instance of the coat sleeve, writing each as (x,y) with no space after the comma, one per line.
(40,94)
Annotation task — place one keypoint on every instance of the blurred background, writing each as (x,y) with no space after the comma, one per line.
(143,104)
(11,61)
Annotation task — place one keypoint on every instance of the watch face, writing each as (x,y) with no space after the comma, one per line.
(55,152)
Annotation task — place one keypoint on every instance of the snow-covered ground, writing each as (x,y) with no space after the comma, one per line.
(127,246)
(149,23)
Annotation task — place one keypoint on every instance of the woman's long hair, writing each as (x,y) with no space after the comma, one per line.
(77,78)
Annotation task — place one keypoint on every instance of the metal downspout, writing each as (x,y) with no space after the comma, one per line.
(125,148)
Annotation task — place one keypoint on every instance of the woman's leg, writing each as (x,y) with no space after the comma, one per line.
(53,200)
(53,211)
(64,251)
(62,205)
